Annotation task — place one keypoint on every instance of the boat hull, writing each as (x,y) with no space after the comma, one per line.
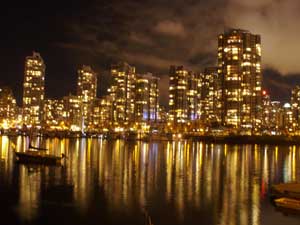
(288,203)
(288,190)
(31,158)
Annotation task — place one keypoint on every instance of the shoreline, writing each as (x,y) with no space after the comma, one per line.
(232,139)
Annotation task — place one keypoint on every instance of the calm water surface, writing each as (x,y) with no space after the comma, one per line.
(113,182)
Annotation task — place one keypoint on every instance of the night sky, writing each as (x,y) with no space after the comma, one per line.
(150,34)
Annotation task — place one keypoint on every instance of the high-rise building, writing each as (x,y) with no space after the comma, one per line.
(99,120)
(239,62)
(295,101)
(33,92)
(54,115)
(193,96)
(86,91)
(106,113)
(8,107)
(146,99)
(211,96)
(275,119)
(183,95)
(266,125)
(122,94)
(73,112)
(288,125)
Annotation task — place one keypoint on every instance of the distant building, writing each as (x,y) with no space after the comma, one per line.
(95,115)
(288,125)
(122,94)
(73,112)
(33,89)
(106,113)
(146,107)
(275,120)
(101,114)
(267,126)
(8,108)
(183,95)
(239,62)
(86,91)
(211,96)
(193,96)
(295,102)
(54,115)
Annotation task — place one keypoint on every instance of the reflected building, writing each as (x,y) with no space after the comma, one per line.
(33,89)
(239,62)
(224,184)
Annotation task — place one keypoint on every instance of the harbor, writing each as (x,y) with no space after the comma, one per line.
(115,181)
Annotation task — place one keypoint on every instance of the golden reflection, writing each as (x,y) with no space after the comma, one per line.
(294,163)
(29,189)
(4,147)
(219,180)
(169,167)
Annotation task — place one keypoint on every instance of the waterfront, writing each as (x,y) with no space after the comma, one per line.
(181,182)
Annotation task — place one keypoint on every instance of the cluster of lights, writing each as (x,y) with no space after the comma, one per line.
(227,98)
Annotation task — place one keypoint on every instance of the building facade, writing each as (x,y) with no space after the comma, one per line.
(266,125)
(33,89)
(122,93)
(275,119)
(239,62)
(86,91)
(211,96)
(8,108)
(73,111)
(184,96)
(54,114)
(295,102)
(146,107)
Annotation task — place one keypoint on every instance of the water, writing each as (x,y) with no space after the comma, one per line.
(113,182)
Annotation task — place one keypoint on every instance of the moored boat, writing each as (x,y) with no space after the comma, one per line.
(288,203)
(287,190)
(36,157)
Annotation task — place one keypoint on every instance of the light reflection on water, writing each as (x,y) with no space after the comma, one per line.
(177,182)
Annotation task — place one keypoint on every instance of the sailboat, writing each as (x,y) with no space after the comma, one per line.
(38,155)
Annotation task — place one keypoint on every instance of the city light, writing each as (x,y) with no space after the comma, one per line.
(225,99)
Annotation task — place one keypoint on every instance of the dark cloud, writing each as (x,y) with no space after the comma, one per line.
(170,28)
(277,21)
(150,34)
(155,34)
(279,86)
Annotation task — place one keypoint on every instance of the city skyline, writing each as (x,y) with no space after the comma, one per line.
(273,81)
(152,112)
(225,98)
(109,33)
